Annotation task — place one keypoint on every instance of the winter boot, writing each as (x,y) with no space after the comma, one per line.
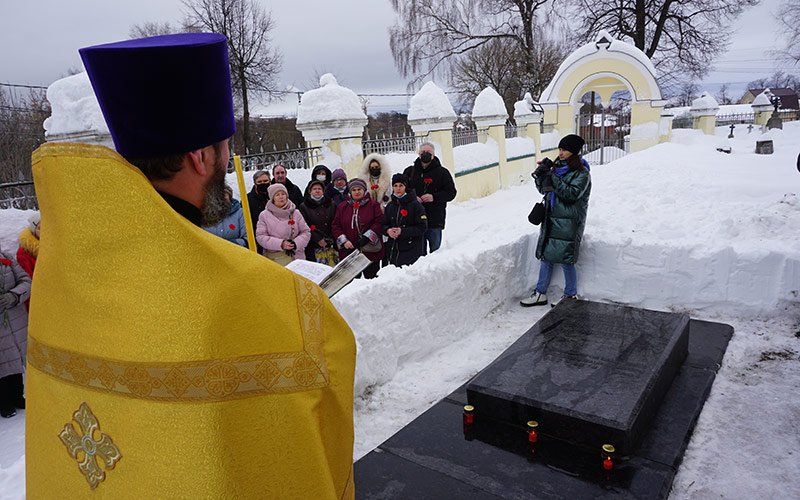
(573,297)
(536,299)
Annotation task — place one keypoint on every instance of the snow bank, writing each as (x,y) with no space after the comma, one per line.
(704,102)
(430,103)
(520,146)
(550,140)
(330,102)
(74,107)
(475,155)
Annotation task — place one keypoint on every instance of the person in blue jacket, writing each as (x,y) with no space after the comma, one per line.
(232,228)
(566,184)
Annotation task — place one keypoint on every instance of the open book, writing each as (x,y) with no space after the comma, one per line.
(331,280)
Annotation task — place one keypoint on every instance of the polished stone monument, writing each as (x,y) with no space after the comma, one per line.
(589,373)
(438,456)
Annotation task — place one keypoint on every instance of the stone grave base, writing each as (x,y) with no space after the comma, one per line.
(434,457)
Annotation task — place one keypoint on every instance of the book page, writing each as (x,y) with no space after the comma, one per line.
(313,271)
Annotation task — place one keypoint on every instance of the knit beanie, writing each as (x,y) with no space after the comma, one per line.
(274,188)
(401,178)
(34,219)
(357,182)
(572,143)
(338,174)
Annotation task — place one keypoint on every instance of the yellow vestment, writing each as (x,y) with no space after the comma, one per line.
(165,362)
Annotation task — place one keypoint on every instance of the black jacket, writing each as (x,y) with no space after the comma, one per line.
(440,185)
(294,192)
(318,215)
(408,247)
(257,204)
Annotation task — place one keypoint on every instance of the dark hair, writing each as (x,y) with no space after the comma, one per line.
(574,163)
(164,167)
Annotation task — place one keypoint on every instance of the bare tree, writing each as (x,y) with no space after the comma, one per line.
(789,19)
(255,64)
(778,80)
(501,65)
(687,93)
(429,36)
(681,37)
(21,116)
(723,97)
(149,28)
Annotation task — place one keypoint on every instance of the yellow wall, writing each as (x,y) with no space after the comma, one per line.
(477,184)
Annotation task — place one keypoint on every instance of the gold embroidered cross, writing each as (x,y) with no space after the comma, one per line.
(91,448)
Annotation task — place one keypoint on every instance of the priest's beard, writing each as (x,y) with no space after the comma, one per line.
(215,207)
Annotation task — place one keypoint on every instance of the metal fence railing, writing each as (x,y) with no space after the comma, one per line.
(393,144)
(789,115)
(732,118)
(19,195)
(289,158)
(466,136)
(511,131)
(683,122)
(546,128)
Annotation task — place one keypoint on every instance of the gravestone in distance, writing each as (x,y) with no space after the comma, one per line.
(589,373)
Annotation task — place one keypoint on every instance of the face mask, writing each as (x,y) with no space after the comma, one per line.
(426,157)
(340,189)
(315,198)
(321,177)
(375,172)
(262,188)
(401,196)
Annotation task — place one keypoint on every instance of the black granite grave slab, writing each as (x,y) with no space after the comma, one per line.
(433,457)
(588,372)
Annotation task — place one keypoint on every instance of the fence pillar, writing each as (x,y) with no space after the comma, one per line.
(704,110)
(489,111)
(332,119)
(525,116)
(75,115)
(665,126)
(430,113)
(762,108)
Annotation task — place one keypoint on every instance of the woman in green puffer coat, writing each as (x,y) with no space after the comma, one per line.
(566,185)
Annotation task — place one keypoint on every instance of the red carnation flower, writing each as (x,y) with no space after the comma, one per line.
(355,205)
(313,227)
(232,226)
(404,212)
(428,181)
(375,186)
(291,222)
(5,262)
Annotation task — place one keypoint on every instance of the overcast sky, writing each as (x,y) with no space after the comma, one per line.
(40,40)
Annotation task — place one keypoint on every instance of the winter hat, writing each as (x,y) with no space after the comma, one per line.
(572,143)
(313,183)
(338,174)
(323,168)
(34,219)
(274,188)
(402,178)
(357,182)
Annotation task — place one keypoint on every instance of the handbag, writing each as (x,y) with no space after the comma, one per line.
(327,255)
(372,247)
(536,216)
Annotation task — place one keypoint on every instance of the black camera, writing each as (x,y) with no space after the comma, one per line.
(543,169)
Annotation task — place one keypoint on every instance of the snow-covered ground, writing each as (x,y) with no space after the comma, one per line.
(678,227)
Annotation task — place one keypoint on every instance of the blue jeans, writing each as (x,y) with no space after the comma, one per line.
(546,272)
(434,238)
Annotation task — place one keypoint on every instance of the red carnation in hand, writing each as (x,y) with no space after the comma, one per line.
(291,222)
(428,181)
(5,262)
(232,226)
(313,227)
(375,186)
(404,212)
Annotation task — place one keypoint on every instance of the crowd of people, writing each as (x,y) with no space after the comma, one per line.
(392,219)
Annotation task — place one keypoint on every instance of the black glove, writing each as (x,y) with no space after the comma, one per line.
(363,241)
(540,172)
(8,300)
(547,183)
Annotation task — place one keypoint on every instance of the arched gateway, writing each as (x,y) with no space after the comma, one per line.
(606,66)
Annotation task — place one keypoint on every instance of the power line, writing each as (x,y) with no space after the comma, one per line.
(20,85)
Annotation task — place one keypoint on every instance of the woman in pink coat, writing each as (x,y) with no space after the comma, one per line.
(281,229)
(358,224)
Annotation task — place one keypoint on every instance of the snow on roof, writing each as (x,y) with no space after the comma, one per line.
(430,103)
(74,107)
(705,101)
(488,103)
(330,102)
(611,44)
